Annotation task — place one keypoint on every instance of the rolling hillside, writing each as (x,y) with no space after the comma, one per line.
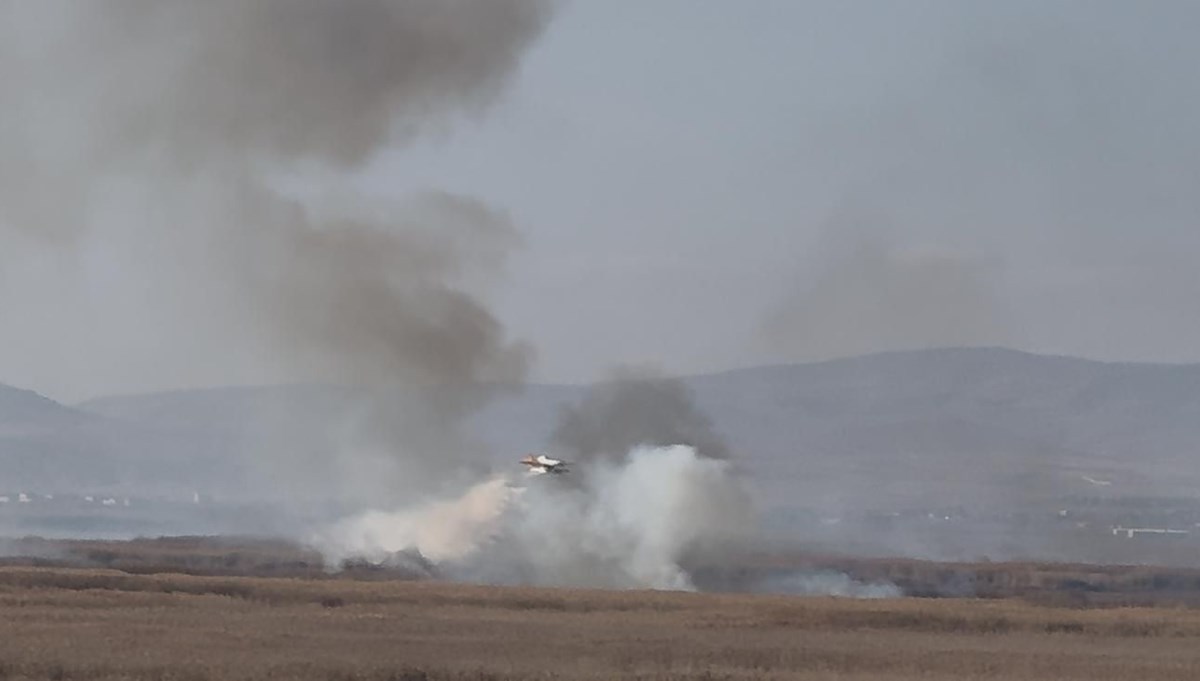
(960,426)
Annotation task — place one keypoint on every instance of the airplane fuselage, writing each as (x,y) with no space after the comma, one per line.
(541,464)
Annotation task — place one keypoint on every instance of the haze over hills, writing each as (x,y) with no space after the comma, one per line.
(49,447)
(976,428)
(964,425)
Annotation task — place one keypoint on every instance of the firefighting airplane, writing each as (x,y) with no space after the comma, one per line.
(542,464)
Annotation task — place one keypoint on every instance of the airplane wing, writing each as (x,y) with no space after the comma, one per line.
(540,463)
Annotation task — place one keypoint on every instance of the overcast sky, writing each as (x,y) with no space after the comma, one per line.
(714,184)
(702,185)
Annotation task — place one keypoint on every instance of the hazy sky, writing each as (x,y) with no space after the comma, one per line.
(701,185)
(711,184)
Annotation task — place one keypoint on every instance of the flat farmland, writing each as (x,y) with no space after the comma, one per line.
(100,624)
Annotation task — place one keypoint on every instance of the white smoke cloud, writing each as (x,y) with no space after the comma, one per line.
(631,523)
(623,525)
(443,530)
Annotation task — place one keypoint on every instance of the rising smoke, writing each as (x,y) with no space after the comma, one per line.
(196,115)
(145,150)
(635,407)
(633,523)
(628,523)
(153,137)
(650,492)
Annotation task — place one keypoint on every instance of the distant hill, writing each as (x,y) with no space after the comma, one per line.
(25,408)
(954,426)
(37,435)
(48,447)
(964,426)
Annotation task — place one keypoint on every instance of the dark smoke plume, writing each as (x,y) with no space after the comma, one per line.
(631,409)
(231,86)
(162,130)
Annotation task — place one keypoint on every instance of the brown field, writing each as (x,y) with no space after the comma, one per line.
(62,623)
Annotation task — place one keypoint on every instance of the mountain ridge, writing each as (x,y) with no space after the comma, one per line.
(953,425)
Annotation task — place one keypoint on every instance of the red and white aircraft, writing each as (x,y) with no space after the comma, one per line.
(540,464)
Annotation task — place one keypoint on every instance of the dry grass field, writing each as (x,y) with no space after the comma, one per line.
(99,624)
